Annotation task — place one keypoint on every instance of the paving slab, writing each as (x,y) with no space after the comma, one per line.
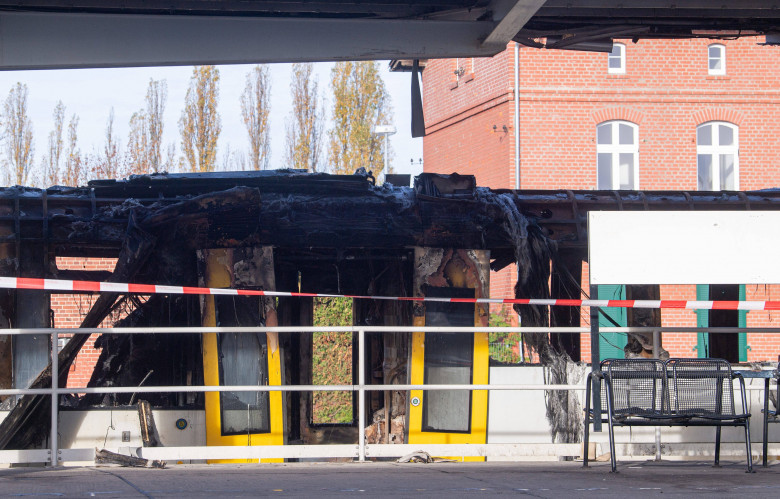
(538,479)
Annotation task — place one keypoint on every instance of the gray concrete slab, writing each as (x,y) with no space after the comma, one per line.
(540,479)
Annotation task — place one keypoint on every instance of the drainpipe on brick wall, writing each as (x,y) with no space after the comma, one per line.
(517,115)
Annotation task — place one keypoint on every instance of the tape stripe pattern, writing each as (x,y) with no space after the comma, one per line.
(147,289)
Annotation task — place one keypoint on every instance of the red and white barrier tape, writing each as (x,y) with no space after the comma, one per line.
(148,289)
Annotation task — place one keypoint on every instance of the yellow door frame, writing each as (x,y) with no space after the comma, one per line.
(474,276)
(479,398)
(217,275)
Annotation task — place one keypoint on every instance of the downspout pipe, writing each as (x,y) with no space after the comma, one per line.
(517,115)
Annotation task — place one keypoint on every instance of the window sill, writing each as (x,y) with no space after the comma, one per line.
(617,76)
(718,77)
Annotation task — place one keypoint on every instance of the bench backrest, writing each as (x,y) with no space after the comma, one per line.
(638,386)
(701,385)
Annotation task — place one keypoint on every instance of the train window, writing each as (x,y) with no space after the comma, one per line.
(243,360)
(449,359)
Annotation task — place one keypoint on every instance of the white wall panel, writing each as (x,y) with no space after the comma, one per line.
(684,247)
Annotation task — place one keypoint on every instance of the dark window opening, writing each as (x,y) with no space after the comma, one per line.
(147,359)
(448,359)
(724,345)
(243,360)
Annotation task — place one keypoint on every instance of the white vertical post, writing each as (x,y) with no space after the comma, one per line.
(361,398)
(386,136)
(55,381)
(516,119)
(656,354)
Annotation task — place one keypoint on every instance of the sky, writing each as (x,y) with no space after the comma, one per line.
(91,93)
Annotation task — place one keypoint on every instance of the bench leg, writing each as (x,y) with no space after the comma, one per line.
(585,443)
(717,445)
(749,451)
(612,456)
(586,433)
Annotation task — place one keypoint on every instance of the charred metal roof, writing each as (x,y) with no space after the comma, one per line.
(292,208)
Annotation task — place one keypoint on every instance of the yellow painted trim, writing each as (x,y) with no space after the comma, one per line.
(417,378)
(218,276)
(479,399)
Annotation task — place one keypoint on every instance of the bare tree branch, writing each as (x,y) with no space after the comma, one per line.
(18,136)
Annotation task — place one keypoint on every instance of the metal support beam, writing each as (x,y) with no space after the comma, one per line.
(53,438)
(595,357)
(73,40)
(512,22)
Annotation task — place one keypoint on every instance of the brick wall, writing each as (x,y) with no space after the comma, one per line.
(563,95)
(69,311)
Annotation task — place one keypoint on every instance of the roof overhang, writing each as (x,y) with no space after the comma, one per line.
(44,34)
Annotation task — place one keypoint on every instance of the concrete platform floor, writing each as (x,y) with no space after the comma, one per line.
(538,479)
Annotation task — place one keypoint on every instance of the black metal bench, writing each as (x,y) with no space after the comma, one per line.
(773,416)
(678,392)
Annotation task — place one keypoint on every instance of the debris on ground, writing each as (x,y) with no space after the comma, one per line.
(103,456)
(420,456)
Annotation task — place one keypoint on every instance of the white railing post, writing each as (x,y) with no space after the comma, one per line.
(55,382)
(361,398)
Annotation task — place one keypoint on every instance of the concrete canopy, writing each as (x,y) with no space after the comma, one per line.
(45,34)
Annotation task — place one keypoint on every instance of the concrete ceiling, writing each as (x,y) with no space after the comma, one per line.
(105,33)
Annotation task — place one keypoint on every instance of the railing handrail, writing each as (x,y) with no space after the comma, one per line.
(54,391)
(389,329)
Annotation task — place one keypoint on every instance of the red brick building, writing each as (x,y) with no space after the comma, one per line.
(652,115)
(68,310)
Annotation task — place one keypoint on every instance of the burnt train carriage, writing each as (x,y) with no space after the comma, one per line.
(293,231)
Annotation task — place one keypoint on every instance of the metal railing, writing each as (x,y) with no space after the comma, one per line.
(54,454)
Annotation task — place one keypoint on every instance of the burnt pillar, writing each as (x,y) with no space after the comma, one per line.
(565,282)
(7,302)
(31,353)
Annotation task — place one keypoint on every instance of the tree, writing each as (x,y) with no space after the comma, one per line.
(51,161)
(73,175)
(233,160)
(108,164)
(138,145)
(200,123)
(144,144)
(171,163)
(156,95)
(360,102)
(304,125)
(255,108)
(18,135)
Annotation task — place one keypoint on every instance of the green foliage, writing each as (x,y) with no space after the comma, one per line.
(332,312)
(332,361)
(504,347)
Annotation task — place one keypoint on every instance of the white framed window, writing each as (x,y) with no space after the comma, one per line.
(717,156)
(616,61)
(617,155)
(716,59)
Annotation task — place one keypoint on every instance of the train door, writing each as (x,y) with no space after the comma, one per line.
(451,416)
(241,418)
